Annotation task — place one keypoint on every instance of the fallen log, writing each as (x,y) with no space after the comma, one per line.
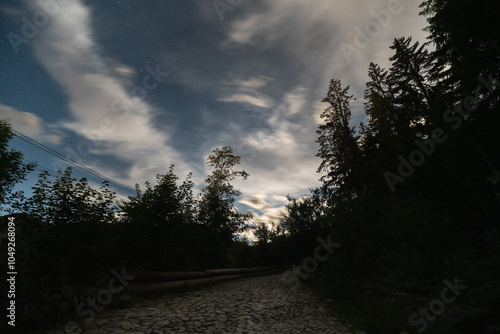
(168,276)
(164,276)
(235,271)
(150,287)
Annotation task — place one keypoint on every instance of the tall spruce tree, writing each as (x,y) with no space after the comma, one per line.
(381,129)
(467,60)
(379,137)
(466,40)
(339,150)
(411,87)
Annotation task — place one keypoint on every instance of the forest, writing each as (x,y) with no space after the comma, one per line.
(411,196)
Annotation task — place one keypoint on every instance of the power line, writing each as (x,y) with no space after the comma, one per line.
(60,156)
(65,138)
(77,164)
(42,169)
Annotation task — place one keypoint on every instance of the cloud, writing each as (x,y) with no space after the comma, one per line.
(257,202)
(311,34)
(284,159)
(305,39)
(104,103)
(318,108)
(272,215)
(253,82)
(260,100)
(28,124)
(247,92)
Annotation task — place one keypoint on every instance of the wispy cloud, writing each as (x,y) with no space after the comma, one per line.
(253,82)
(247,91)
(257,202)
(306,38)
(69,52)
(28,124)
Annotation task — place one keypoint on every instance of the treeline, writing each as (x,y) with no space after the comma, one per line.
(412,194)
(69,233)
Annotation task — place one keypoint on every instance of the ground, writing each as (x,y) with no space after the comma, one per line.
(250,305)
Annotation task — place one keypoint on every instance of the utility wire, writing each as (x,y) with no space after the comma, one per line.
(65,138)
(73,162)
(60,156)
(42,169)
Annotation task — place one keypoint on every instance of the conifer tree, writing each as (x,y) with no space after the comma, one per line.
(466,40)
(411,87)
(381,126)
(339,150)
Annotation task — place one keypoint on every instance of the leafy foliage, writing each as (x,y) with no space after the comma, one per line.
(152,222)
(217,199)
(67,200)
(65,224)
(12,168)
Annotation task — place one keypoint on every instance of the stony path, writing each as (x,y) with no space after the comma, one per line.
(249,305)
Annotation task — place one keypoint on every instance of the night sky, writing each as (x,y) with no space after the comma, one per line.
(142,85)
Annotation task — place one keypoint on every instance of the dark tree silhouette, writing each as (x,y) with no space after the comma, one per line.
(12,168)
(339,150)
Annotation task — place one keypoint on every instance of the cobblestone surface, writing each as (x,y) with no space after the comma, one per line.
(249,305)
